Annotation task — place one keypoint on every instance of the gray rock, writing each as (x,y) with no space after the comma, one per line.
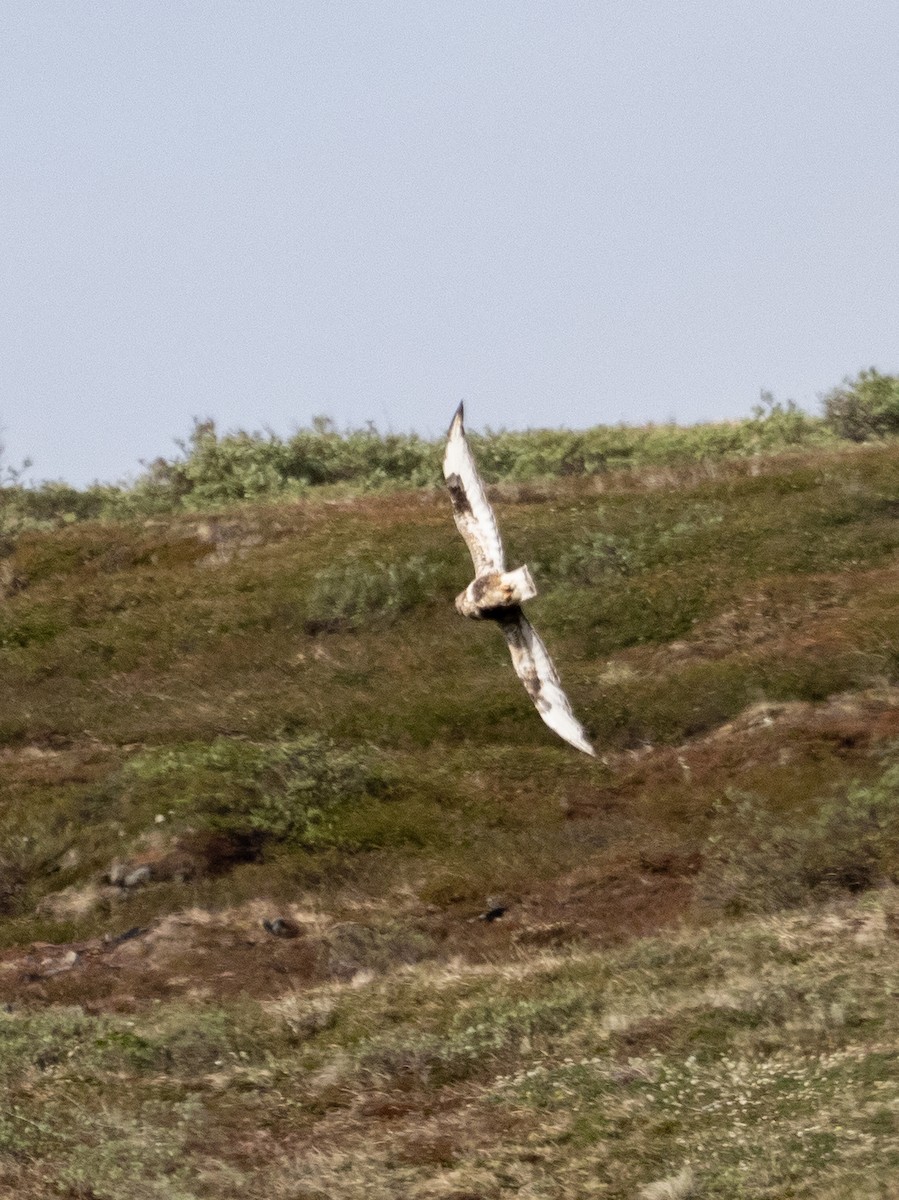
(137,877)
(117,872)
(282,927)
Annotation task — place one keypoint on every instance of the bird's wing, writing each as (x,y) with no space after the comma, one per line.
(471,508)
(535,669)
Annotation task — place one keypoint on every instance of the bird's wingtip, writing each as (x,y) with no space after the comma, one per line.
(578,739)
(458,417)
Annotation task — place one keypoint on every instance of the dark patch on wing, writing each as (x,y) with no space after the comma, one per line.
(458,496)
(510,617)
(481,587)
(493,614)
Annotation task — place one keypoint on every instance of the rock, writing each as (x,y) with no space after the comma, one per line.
(135,931)
(282,927)
(117,872)
(68,960)
(496,908)
(493,914)
(675,1187)
(72,902)
(137,877)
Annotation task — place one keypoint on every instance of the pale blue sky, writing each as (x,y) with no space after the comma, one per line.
(564,212)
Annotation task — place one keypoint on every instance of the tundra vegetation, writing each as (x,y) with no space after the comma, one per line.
(259,784)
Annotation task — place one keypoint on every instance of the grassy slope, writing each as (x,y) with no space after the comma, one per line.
(761,1060)
(150,668)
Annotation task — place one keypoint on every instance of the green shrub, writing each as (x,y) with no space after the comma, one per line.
(214,469)
(590,560)
(776,425)
(865,407)
(218,469)
(347,594)
(286,792)
(649,541)
(26,629)
(755,862)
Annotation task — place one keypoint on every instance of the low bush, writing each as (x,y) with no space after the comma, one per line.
(219,469)
(650,541)
(286,792)
(591,560)
(353,947)
(756,862)
(347,594)
(214,469)
(865,407)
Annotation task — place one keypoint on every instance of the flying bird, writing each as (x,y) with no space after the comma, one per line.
(496,594)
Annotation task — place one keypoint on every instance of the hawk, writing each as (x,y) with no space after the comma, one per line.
(496,594)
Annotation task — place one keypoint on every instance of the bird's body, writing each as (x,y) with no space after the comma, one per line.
(497,594)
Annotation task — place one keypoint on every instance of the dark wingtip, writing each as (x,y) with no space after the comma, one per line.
(458,416)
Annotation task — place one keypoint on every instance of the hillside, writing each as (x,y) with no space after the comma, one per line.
(214,719)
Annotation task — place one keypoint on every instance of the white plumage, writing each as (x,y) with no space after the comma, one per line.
(497,595)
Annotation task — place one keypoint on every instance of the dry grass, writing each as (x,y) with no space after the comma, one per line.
(753,1062)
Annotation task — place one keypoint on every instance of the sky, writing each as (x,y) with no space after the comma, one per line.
(566,212)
